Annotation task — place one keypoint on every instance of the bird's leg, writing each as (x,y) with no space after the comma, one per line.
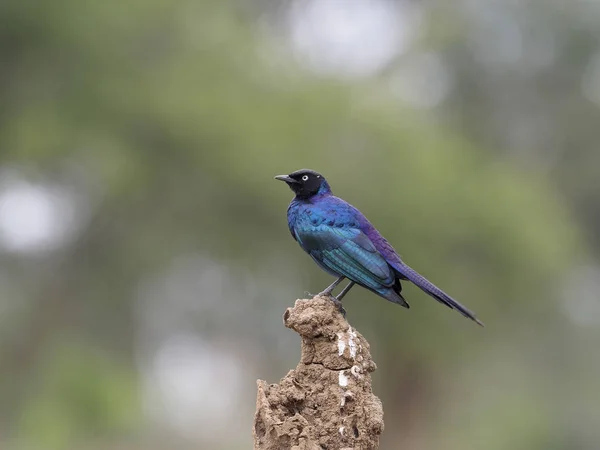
(341,295)
(327,292)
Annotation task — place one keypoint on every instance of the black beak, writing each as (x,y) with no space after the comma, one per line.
(287,179)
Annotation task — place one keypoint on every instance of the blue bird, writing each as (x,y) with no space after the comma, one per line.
(341,240)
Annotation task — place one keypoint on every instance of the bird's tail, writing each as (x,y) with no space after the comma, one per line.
(408,273)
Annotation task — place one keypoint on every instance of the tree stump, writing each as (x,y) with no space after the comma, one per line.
(326,403)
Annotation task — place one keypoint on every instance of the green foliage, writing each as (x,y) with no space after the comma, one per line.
(78,391)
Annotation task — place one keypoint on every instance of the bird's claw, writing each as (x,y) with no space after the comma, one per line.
(339,306)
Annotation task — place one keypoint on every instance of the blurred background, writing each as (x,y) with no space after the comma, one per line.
(145,260)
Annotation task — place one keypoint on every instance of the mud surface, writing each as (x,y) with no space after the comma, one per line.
(326,403)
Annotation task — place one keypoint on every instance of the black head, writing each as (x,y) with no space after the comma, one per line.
(305,183)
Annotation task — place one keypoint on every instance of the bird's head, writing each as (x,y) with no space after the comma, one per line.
(305,183)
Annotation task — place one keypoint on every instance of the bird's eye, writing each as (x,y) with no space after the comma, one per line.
(305,178)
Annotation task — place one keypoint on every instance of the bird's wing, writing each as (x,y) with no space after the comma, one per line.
(347,251)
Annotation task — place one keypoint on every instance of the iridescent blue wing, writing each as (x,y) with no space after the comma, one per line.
(346,251)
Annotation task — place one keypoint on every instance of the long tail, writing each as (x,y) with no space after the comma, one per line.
(408,273)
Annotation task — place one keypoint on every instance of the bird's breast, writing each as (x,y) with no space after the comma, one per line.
(307,214)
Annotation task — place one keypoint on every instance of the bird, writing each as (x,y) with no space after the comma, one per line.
(342,241)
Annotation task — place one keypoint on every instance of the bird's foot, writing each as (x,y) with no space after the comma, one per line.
(325,293)
(339,306)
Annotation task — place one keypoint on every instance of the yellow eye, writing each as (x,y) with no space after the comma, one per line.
(305,178)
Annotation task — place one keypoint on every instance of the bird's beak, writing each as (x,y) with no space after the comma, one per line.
(287,179)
